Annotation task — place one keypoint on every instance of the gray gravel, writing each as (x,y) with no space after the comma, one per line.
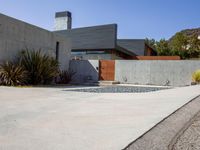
(120,89)
(190,139)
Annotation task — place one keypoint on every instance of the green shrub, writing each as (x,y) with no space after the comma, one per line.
(12,74)
(42,68)
(66,76)
(196,76)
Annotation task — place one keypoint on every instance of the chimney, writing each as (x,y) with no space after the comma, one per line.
(63,21)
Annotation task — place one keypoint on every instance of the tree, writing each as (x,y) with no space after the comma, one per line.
(194,46)
(179,42)
(183,45)
(179,45)
(162,48)
(151,43)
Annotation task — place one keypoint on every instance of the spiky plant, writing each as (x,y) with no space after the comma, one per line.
(66,76)
(12,74)
(41,67)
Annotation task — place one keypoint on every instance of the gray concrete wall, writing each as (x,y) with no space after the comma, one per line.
(86,71)
(16,35)
(177,73)
(96,37)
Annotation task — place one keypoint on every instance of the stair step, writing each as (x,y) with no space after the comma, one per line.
(108,82)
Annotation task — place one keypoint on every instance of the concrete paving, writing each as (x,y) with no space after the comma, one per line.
(56,119)
(169,134)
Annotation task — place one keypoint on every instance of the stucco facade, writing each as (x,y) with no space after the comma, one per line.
(16,35)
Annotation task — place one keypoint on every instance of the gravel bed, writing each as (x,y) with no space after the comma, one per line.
(190,139)
(120,89)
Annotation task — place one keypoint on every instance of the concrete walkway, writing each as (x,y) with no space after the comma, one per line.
(56,119)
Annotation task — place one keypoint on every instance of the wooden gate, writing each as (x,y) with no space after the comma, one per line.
(107,70)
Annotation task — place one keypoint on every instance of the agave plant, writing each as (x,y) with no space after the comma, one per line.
(66,76)
(12,74)
(41,67)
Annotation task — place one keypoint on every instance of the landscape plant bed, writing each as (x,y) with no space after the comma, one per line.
(120,89)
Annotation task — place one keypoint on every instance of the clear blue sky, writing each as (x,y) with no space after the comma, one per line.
(135,18)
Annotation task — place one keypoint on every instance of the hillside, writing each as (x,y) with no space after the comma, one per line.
(189,32)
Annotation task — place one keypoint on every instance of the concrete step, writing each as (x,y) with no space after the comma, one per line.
(103,82)
(87,83)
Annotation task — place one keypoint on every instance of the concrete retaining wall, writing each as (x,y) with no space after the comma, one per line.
(147,72)
(175,73)
(86,71)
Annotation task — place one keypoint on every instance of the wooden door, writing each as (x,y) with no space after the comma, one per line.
(107,70)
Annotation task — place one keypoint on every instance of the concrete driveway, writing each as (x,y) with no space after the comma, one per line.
(56,119)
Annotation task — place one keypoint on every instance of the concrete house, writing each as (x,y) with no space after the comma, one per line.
(65,43)
(16,35)
(99,42)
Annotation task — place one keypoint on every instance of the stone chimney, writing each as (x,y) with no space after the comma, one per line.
(63,21)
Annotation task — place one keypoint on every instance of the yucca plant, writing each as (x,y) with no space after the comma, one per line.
(41,67)
(66,76)
(12,74)
(196,76)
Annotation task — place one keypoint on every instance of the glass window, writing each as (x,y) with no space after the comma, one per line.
(78,52)
(84,52)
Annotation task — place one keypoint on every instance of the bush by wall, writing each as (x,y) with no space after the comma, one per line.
(12,74)
(31,67)
(42,68)
(196,76)
(66,76)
